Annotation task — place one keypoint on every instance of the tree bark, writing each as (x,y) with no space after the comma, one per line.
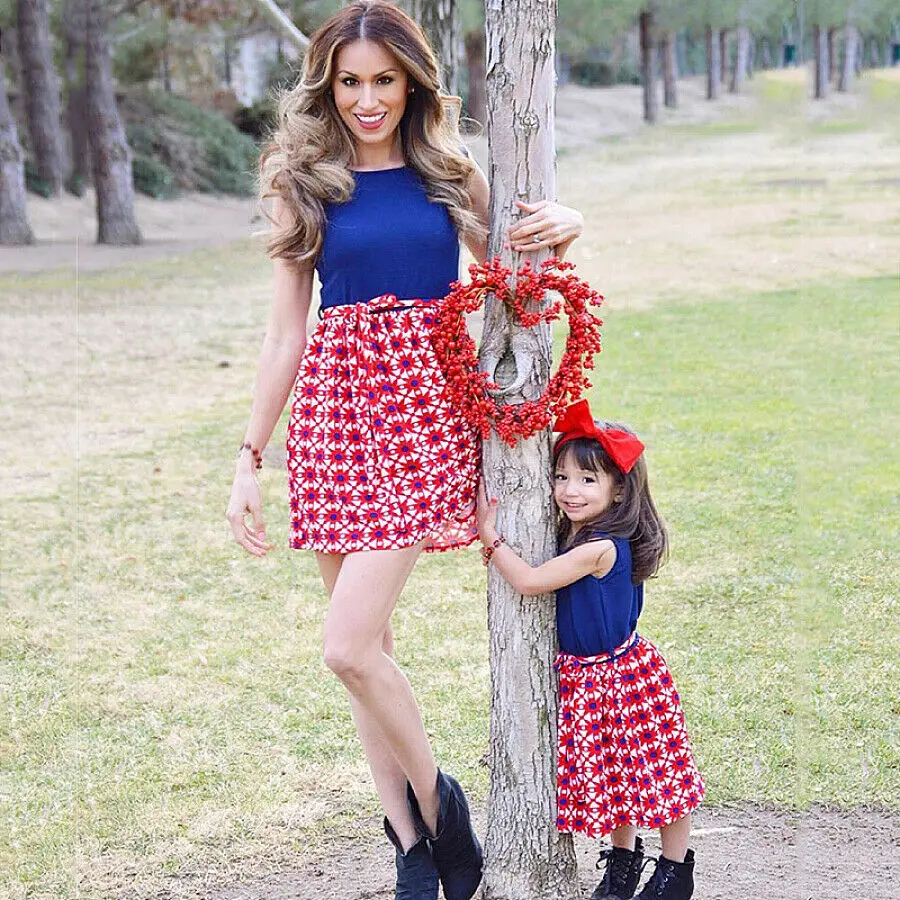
(477,106)
(741,60)
(820,39)
(765,52)
(40,89)
(525,857)
(832,54)
(110,153)
(648,66)
(874,54)
(440,22)
(74,24)
(848,63)
(670,70)
(723,53)
(713,47)
(14,227)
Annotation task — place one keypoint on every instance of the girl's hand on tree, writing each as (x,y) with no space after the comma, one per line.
(486,516)
(245,500)
(547,224)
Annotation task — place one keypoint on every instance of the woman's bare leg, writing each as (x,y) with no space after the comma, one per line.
(364,588)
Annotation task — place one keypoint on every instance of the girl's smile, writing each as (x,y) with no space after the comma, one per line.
(582,494)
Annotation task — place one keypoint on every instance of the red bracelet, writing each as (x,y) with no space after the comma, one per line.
(256,454)
(488,552)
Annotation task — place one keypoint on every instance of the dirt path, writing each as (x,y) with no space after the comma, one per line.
(742,854)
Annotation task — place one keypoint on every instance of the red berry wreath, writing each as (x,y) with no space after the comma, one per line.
(469,387)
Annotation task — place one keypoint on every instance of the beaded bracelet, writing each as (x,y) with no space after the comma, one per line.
(488,552)
(257,454)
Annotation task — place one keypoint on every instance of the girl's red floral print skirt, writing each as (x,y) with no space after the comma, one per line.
(377,458)
(624,754)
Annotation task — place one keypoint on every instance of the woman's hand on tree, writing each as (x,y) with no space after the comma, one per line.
(547,224)
(245,500)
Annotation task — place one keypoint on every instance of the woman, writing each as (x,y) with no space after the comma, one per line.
(373,191)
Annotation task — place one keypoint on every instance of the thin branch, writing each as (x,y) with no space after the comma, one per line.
(279,19)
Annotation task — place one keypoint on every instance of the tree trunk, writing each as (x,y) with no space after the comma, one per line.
(14,227)
(713,47)
(832,54)
(724,36)
(820,38)
(848,64)
(110,153)
(648,66)
(40,89)
(741,60)
(874,54)
(440,22)
(525,857)
(670,70)
(76,98)
(765,52)
(477,106)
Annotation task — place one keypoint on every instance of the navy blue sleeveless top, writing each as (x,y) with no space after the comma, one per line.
(596,615)
(388,238)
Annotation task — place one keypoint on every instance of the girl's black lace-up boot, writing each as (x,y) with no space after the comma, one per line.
(671,880)
(455,848)
(623,872)
(417,875)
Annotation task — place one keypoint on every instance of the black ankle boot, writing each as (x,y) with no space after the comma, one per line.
(623,872)
(455,849)
(417,875)
(671,880)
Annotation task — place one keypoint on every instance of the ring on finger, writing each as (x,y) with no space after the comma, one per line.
(536,239)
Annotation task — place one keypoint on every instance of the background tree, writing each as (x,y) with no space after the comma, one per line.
(526,859)
(741,70)
(74,24)
(851,51)
(821,16)
(14,227)
(440,22)
(40,89)
(647,25)
(110,153)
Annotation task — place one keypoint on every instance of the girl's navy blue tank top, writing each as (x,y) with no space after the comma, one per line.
(389,238)
(596,615)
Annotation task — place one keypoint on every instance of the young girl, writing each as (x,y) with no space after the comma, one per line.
(624,757)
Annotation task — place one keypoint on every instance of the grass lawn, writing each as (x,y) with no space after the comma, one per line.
(168,705)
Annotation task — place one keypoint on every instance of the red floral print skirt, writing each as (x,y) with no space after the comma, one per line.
(377,458)
(624,754)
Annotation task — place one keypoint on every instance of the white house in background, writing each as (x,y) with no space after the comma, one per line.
(254,56)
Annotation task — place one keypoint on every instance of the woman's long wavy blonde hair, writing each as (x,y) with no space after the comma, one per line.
(307,163)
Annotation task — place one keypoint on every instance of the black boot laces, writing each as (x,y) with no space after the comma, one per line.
(617,866)
(664,874)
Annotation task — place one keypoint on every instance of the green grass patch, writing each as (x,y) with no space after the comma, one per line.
(167,703)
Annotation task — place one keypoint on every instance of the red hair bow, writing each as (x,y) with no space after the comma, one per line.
(576,421)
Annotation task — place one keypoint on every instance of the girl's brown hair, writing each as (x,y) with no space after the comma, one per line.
(633,517)
(307,163)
